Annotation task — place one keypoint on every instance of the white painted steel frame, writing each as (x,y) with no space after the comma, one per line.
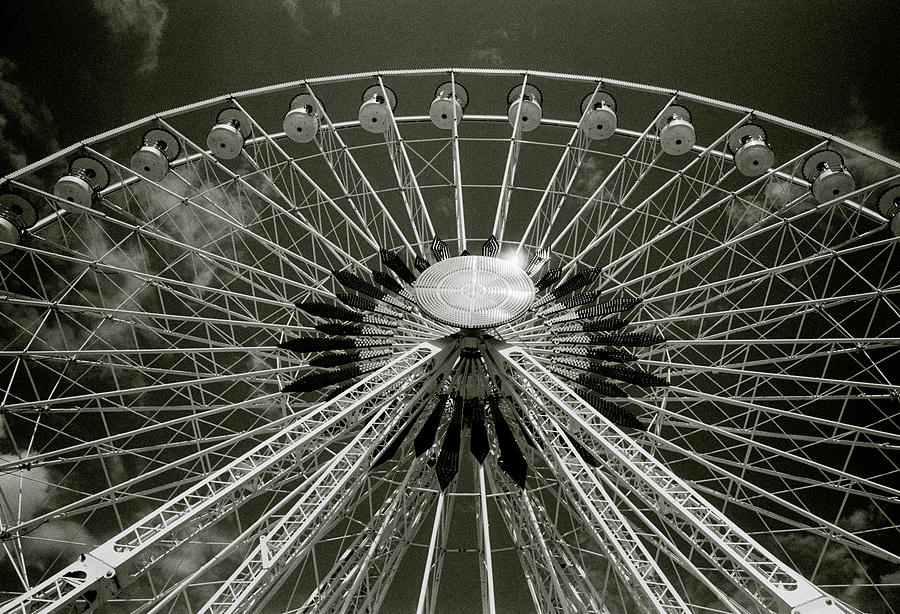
(750,567)
(113,565)
(207,316)
(360,578)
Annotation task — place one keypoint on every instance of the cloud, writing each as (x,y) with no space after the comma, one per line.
(27,493)
(13,98)
(295,11)
(773,201)
(115,467)
(24,493)
(492,48)
(590,176)
(201,214)
(860,519)
(848,574)
(191,222)
(59,539)
(10,153)
(143,18)
(860,130)
(196,553)
(67,330)
(891,578)
(25,125)
(488,56)
(446,206)
(835,565)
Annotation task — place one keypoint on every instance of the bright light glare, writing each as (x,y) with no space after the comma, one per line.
(514,257)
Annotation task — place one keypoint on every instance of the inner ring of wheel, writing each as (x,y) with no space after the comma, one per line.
(474,292)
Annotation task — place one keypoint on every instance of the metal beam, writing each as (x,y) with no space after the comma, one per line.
(361,575)
(104,571)
(366,203)
(557,580)
(437,548)
(750,567)
(407,182)
(457,173)
(559,186)
(287,542)
(509,172)
(486,566)
(600,517)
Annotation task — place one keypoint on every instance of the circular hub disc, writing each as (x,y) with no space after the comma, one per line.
(474,291)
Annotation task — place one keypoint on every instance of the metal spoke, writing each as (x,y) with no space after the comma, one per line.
(240,373)
(755,571)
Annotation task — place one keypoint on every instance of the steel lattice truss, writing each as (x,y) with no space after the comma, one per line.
(220,394)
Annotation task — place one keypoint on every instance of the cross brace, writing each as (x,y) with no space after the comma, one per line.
(103,572)
(748,565)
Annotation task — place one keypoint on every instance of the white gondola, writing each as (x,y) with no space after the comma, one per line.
(82,185)
(752,154)
(152,159)
(598,115)
(675,130)
(226,139)
(530,99)
(16,216)
(301,123)
(889,207)
(293,317)
(450,99)
(827,175)
(374,114)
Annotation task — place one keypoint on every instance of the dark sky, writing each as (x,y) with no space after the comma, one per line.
(72,69)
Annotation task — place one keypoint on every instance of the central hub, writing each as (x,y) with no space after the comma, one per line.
(474,292)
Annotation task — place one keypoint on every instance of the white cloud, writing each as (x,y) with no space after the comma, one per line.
(59,539)
(773,200)
(14,99)
(115,467)
(9,151)
(27,493)
(295,11)
(590,175)
(848,574)
(860,519)
(22,120)
(24,493)
(488,56)
(860,130)
(493,47)
(143,18)
(446,206)
(891,578)
(203,220)
(196,553)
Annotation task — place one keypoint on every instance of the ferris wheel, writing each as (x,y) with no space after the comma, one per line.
(451,340)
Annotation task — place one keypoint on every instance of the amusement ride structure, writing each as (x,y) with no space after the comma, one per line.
(440,340)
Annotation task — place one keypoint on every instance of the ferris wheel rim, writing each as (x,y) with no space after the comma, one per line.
(654,315)
(440,71)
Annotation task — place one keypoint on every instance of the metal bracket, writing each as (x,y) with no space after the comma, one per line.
(821,605)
